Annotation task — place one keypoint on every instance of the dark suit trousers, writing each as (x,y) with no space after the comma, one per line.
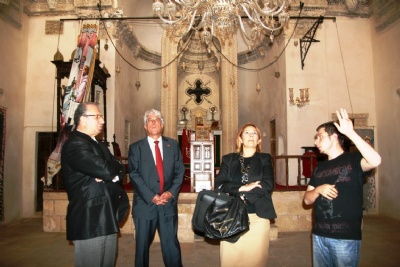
(167,227)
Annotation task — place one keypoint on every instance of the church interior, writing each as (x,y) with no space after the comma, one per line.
(208,76)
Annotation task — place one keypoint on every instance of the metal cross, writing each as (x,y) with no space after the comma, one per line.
(199,91)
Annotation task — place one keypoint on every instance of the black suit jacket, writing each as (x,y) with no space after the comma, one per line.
(261,169)
(146,182)
(93,206)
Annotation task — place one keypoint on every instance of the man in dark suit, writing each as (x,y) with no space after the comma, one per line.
(156,191)
(92,176)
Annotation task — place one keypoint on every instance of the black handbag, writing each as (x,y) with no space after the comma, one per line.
(204,199)
(226,220)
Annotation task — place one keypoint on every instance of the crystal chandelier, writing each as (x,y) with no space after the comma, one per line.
(222,18)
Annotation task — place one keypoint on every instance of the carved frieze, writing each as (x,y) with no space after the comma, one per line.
(12,12)
(92,3)
(360,119)
(54,27)
(386,12)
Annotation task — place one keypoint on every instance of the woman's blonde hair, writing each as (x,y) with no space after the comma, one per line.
(239,144)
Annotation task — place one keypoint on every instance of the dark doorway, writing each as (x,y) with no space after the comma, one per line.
(46,142)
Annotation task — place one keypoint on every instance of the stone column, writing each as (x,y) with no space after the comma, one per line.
(229,96)
(169,84)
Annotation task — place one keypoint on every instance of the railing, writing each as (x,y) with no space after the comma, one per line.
(304,164)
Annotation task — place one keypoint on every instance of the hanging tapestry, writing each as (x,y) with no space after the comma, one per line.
(2,149)
(186,146)
(76,92)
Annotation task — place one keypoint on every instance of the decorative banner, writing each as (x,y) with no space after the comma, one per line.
(77,91)
(81,73)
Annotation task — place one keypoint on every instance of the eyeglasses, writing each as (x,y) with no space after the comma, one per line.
(98,116)
(149,121)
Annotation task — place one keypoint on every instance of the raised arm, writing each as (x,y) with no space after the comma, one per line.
(371,159)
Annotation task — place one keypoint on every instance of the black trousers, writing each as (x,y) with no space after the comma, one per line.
(167,226)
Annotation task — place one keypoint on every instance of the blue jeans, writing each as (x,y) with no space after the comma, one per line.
(331,252)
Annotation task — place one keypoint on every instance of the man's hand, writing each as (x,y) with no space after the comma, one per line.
(158,200)
(166,195)
(345,125)
(328,191)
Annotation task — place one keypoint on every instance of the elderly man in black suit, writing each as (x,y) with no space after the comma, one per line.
(92,176)
(156,172)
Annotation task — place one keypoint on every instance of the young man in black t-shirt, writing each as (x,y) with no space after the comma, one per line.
(336,190)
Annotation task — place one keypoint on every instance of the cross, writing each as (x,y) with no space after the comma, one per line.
(198,91)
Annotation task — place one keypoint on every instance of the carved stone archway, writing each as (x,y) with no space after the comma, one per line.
(228,90)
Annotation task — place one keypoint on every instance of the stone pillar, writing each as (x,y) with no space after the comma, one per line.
(169,84)
(229,96)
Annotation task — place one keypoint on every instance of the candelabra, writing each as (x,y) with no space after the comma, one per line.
(222,18)
(213,109)
(301,101)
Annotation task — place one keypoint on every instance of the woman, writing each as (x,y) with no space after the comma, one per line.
(249,173)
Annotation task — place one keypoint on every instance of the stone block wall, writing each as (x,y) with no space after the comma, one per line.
(292,215)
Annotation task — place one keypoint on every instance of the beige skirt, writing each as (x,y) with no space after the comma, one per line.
(251,249)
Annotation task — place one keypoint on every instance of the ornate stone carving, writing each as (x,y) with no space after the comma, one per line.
(12,13)
(386,12)
(54,27)
(360,119)
(92,3)
(125,34)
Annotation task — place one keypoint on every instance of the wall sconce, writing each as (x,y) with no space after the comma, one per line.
(183,66)
(137,84)
(217,66)
(258,88)
(106,45)
(165,84)
(232,81)
(301,101)
(118,69)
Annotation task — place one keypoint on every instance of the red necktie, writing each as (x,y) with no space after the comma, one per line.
(160,167)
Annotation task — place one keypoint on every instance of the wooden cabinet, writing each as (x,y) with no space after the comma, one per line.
(201,165)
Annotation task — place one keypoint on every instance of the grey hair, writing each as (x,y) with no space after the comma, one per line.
(153,112)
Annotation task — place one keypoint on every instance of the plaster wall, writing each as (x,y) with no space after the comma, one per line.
(338,71)
(269,104)
(40,106)
(132,102)
(386,61)
(14,51)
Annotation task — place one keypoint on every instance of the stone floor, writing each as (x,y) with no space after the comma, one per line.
(24,244)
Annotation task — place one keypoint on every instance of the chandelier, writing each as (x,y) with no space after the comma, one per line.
(222,18)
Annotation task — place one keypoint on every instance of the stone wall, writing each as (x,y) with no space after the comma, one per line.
(292,216)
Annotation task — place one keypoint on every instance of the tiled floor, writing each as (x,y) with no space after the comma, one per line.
(24,244)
